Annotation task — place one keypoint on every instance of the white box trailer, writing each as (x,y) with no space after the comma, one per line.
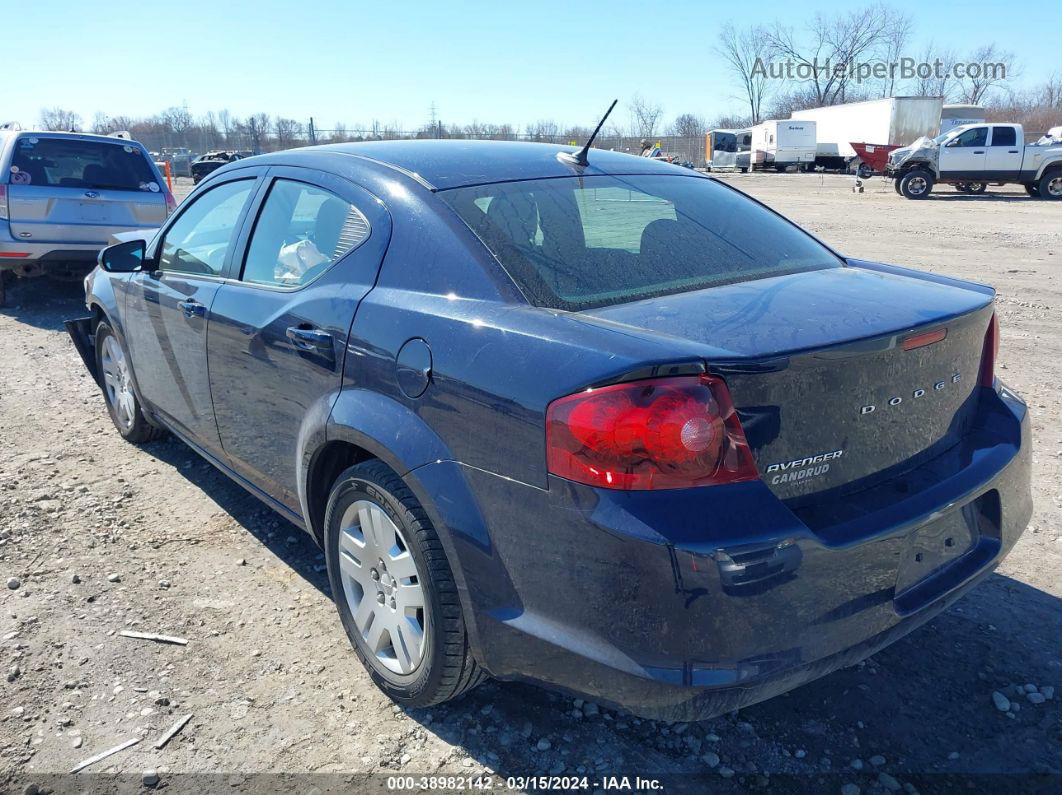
(957,115)
(780,143)
(892,121)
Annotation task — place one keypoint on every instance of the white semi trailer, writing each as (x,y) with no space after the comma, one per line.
(892,121)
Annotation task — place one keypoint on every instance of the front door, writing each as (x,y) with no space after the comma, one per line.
(279,327)
(1003,161)
(963,157)
(168,306)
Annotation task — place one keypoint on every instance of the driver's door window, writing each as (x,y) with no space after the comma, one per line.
(978,136)
(200,238)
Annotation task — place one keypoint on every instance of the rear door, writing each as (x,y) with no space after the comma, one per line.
(963,157)
(1003,161)
(67,189)
(167,308)
(279,326)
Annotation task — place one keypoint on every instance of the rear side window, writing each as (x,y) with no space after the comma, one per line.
(74,163)
(578,243)
(300,232)
(1004,136)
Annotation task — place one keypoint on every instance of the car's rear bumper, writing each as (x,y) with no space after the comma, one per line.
(686,604)
(17,255)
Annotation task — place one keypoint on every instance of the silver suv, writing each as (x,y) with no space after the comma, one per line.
(62,196)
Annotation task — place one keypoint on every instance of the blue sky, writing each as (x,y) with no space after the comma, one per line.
(502,61)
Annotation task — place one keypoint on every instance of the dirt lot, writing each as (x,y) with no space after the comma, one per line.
(102,536)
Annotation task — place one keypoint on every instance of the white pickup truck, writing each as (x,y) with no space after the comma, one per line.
(972,156)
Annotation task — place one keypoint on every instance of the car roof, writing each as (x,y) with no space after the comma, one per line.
(443,164)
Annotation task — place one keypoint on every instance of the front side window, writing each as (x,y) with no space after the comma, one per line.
(975,136)
(75,163)
(199,239)
(1004,136)
(300,232)
(578,243)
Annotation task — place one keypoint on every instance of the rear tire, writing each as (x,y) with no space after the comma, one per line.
(1032,189)
(916,184)
(116,381)
(976,188)
(1050,186)
(374,522)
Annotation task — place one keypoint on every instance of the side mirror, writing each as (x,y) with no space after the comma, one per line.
(123,257)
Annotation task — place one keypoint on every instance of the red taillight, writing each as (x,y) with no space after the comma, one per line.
(661,433)
(990,353)
(171,203)
(3,203)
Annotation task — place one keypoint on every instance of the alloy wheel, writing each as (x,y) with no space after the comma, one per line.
(117,383)
(1054,187)
(917,185)
(383,587)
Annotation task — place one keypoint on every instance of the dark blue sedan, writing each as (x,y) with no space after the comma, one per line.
(614,427)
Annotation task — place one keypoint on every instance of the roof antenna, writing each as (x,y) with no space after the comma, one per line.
(579,158)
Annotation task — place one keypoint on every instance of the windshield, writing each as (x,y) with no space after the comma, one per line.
(578,243)
(74,163)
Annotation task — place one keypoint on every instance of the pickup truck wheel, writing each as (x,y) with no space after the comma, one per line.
(394,589)
(1032,188)
(961,187)
(1051,185)
(896,186)
(116,381)
(916,184)
(976,188)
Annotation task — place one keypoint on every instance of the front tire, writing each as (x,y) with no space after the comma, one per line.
(916,184)
(1050,186)
(116,381)
(394,589)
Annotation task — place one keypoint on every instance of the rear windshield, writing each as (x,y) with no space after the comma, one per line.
(583,242)
(72,163)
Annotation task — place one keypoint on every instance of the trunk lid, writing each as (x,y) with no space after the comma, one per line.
(828,396)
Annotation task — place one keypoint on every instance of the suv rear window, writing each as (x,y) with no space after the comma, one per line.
(584,242)
(73,163)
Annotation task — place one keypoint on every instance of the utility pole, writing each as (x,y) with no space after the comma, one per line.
(313,133)
(434,124)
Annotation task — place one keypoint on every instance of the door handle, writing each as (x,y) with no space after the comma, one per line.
(979,151)
(1012,151)
(191,308)
(307,338)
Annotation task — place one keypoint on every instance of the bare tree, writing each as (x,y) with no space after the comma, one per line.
(828,57)
(985,69)
(688,125)
(543,130)
(257,129)
(897,33)
(60,119)
(288,132)
(645,116)
(178,119)
(936,78)
(746,53)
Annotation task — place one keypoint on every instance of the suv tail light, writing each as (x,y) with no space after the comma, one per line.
(3,203)
(171,203)
(661,433)
(990,353)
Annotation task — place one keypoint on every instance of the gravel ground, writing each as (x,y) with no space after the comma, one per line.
(98,536)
